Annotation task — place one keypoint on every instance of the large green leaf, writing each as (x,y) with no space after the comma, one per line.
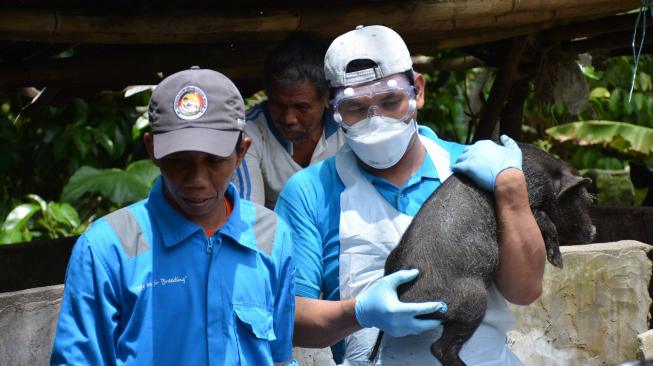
(119,186)
(119,143)
(14,236)
(64,214)
(82,138)
(624,137)
(19,216)
(142,122)
(54,220)
(600,92)
(103,139)
(40,201)
(144,170)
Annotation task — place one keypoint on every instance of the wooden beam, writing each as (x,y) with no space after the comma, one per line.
(469,37)
(117,67)
(648,50)
(608,42)
(428,64)
(593,28)
(512,113)
(500,89)
(235,42)
(416,19)
(73,27)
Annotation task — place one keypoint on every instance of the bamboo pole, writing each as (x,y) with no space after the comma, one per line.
(412,18)
(75,27)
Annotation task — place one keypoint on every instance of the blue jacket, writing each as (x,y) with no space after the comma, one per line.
(145,286)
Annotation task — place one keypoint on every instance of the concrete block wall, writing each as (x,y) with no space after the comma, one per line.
(27,323)
(593,312)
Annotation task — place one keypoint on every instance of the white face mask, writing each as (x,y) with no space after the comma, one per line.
(379,141)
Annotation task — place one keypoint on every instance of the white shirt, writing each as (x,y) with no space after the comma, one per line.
(269,163)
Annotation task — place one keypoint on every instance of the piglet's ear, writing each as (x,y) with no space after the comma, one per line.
(568,181)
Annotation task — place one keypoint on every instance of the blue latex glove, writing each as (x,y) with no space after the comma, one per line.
(380,307)
(483,161)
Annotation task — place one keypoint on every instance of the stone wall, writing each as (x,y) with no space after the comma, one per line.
(593,312)
(313,357)
(27,323)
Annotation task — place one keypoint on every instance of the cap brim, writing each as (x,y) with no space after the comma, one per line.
(207,140)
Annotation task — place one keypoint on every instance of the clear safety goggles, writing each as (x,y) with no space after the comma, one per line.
(392,97)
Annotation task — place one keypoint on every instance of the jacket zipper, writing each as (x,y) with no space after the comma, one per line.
(209,245)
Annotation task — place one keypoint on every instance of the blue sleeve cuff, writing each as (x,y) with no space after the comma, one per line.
(304,289)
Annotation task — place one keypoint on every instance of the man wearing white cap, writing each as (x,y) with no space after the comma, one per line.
(348,212)
(191,275)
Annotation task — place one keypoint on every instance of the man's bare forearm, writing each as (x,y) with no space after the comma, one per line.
(522,250)
(321,323)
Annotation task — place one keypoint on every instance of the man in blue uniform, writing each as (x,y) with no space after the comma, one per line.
(293,128)
(349,211)
(191,275)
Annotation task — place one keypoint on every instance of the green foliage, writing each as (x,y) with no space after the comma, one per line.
(602,144)
(612,187)
(623,137)
(447,108)
(444,105)
(591,140)
(609,84)
(140,126)
(609,96)
(117,185)
(39,151)
(255,99)
(40,219)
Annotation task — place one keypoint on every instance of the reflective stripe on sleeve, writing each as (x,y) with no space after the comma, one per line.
(265,228)
(129,232)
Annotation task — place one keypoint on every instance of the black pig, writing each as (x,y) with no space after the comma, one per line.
(453,242)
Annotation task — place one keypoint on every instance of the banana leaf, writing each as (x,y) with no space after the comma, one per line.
(626,138)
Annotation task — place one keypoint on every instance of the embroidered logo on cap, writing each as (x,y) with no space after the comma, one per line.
(190,103)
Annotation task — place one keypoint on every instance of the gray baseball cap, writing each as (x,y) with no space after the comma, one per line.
(196,110)
(375,42)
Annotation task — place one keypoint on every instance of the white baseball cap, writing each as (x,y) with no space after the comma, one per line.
(377,43)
